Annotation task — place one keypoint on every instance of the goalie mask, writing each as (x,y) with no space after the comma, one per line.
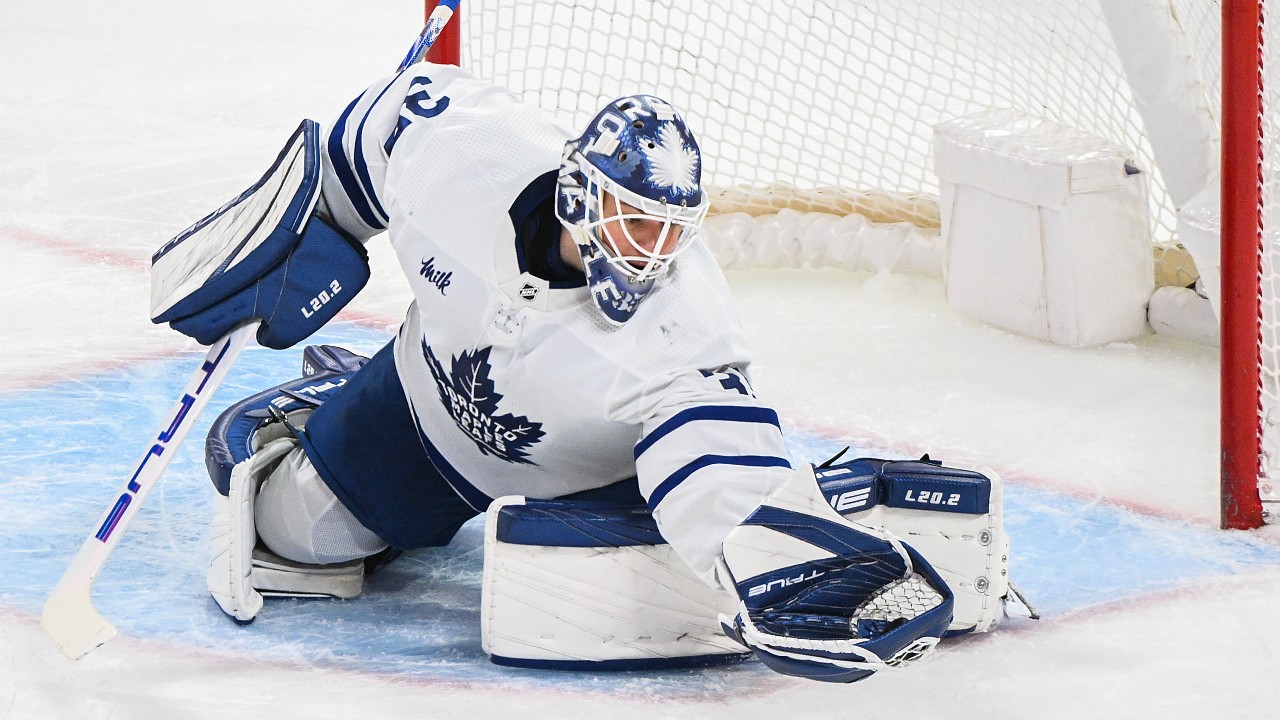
(630,193)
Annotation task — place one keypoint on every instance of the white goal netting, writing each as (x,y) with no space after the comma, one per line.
(829,105)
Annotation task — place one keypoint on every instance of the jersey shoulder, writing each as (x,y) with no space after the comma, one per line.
(485,146)
(689,322)
(683,339)
(487,124)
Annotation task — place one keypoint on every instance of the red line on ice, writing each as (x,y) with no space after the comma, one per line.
(127,261)
(868,438)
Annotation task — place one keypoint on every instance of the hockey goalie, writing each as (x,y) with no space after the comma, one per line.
(572,366)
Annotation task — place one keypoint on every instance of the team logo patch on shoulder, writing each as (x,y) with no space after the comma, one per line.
(469,395)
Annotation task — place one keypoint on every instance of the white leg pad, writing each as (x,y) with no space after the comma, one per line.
(567,587)
(970,550)
(232,534)
(240,571)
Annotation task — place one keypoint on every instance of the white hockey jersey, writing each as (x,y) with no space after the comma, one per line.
(519,385)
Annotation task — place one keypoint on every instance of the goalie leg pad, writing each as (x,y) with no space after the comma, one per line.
(576,585)
(247,445)
(233,536)
(242,570)
(251,423)
(952,516)
(298,518)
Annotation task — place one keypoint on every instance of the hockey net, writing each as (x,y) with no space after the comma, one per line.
(821,111)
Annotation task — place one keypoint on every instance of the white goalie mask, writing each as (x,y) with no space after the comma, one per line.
(630,193)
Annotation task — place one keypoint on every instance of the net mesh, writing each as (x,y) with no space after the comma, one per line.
(828,105)
(906,598)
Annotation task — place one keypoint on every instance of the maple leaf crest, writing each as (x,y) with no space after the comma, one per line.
(468,393)
(671,163)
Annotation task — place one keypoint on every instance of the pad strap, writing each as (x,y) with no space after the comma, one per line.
(230,442)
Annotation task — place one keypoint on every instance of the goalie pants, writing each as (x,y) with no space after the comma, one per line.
(365,445)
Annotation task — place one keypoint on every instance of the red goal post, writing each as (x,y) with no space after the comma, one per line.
(1084,63)
(1244,267)
(447,48)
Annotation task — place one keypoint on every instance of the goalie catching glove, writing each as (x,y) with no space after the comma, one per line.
(825,598)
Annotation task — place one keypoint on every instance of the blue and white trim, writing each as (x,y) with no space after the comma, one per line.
(719,413)
(360,141)
(359,191)
(705,467)
(718,462)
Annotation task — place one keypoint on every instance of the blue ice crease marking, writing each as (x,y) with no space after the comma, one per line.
(64,450)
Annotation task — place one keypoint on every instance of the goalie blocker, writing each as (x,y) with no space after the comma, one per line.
(571,585)
(264,256)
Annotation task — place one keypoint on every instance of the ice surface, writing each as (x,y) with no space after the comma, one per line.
(121,123)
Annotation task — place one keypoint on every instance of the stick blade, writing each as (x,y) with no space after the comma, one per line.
(72,621)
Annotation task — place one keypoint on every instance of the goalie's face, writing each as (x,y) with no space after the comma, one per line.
(646,243)
(631,198)
(624,249)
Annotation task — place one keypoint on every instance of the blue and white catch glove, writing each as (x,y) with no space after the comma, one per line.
(826,598)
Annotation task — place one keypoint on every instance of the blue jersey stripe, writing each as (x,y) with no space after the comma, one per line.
(723,413)
(350,185)
(362,166)
(679,476)
(469,493)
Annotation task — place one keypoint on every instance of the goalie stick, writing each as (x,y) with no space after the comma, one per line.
(435,24)
(69,616)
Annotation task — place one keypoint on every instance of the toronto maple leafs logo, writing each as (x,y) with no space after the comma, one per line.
(472,401)
(671,163)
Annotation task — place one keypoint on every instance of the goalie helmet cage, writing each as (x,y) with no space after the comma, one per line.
(829,105)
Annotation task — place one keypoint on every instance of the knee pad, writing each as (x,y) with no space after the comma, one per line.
(245,445)
(255,421)
(578,585)
(952,516)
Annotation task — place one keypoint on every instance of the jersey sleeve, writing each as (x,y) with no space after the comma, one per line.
(706,459)
(358,145)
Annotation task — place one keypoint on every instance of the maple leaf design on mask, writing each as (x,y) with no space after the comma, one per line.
(671,163)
